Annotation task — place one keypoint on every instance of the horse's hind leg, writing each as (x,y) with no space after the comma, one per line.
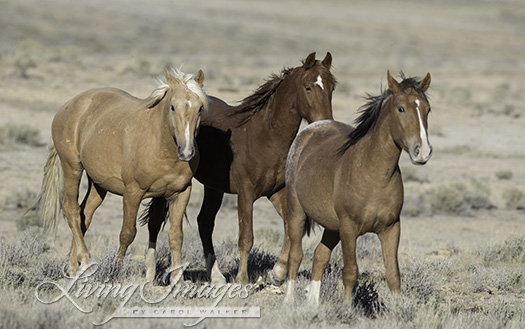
(390,244)
(278,273)
(93,199)
(321,258)
(296,226)
(206,221)
(71,209)
(156,218)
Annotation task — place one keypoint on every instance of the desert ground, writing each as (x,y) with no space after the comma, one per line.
(462,250)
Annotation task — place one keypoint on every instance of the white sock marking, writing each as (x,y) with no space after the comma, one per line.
(319,82)
(290,292)
(314,292)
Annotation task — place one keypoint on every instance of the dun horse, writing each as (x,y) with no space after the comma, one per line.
(348,180)
(127,146)
(243,150)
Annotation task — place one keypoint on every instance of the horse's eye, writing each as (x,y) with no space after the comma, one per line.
(401,109)
(201,109)
(308,89)
(172,108)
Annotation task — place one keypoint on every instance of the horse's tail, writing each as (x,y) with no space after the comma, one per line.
(49,201)
(156,208)
(309,226)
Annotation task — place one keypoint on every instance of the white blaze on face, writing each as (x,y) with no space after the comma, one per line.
(319,82)
(425,146)
(187,135)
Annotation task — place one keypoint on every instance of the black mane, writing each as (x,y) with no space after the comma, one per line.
(369,112)
(255,102)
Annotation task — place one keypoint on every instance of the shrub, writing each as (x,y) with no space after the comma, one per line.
(511,249)
(504,174)
(21,134)
(410,175)
(514,198)
(448,200)
(458,199)
(416,280)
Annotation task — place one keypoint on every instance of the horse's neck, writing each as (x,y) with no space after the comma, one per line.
(378,151)
(281,118)
(160,125)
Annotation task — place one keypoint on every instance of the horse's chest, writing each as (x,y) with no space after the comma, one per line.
(376,212)
(164,179)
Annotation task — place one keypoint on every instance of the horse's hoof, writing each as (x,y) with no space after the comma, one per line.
(274,280)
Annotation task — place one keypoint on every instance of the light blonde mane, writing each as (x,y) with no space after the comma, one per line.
(187,80)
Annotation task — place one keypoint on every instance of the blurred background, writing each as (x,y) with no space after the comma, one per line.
(474,50)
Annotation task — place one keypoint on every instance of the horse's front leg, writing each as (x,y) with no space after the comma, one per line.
(245,213)
(131,201)
(279,271)
(177,207)
(389,244)
(348,235)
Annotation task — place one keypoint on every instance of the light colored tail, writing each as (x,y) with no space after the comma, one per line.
(49,202)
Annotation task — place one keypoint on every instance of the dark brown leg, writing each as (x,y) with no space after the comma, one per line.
(206,221)
(156,218)
(245,212)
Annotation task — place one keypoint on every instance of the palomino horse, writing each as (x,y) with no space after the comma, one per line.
(348,180)
(243,150)
(127,146)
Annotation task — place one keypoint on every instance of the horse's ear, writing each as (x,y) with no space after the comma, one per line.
(327,61)
(393,85)
(170,79)
(425,83)
(309,61)
(199,78)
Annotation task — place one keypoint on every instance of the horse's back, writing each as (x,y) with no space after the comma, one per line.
(91,126)
(321,137)
(92,105)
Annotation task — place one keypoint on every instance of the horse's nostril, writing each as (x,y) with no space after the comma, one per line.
(417,148)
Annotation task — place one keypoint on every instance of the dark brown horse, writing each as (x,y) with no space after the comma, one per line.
(243,150)
(348,180)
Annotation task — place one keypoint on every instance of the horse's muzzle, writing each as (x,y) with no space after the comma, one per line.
(185,154)
(419,155)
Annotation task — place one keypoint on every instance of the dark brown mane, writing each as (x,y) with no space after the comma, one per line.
(255,102)
(369,112)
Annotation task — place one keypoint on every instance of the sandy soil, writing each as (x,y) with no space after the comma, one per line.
(474,50)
